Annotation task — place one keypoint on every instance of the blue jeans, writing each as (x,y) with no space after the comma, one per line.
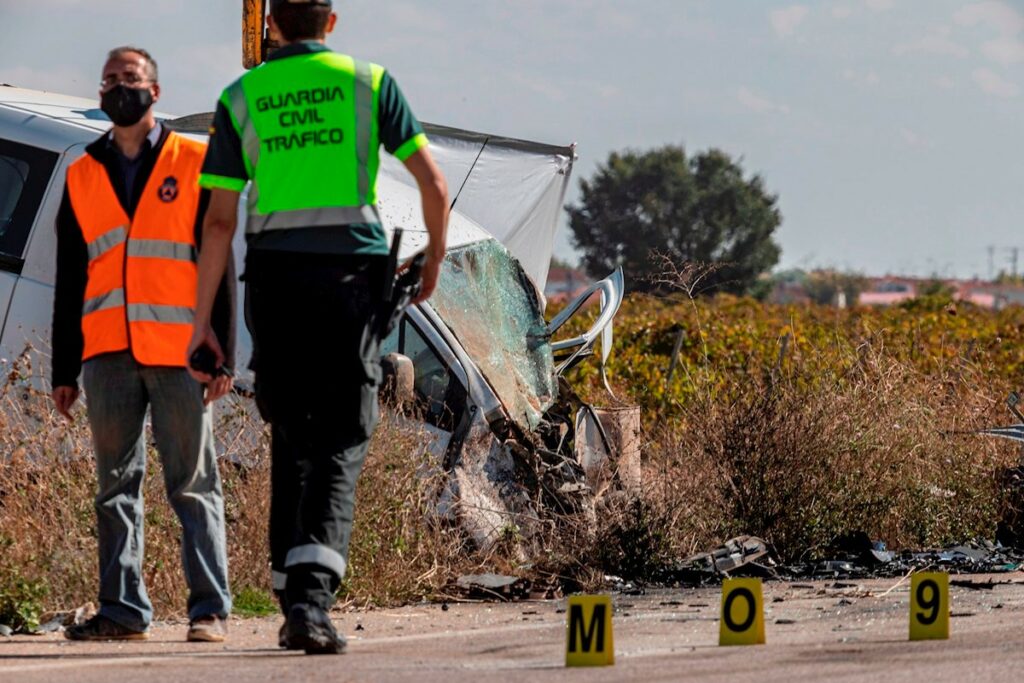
(118,391)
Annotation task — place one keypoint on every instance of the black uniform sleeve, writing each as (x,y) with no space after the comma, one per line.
(67,340)
(400,132)
(222,318)
(224,166)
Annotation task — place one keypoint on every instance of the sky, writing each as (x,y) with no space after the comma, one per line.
(889,129)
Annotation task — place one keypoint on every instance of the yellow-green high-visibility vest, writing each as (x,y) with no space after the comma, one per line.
(308,126)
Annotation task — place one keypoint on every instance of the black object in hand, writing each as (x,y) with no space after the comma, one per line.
(204,360)
(410,281)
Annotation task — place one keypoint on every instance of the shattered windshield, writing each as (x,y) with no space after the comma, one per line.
(491,306)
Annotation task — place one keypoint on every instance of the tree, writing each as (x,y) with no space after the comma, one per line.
(561,263)
(824,286)
(936,287)
(697,210)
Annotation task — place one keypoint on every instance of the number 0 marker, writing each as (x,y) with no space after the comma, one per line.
(742,621)
(929,606)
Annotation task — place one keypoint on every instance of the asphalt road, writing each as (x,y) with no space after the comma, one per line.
(815,632)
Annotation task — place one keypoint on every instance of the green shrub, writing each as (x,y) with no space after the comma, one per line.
(21,600)
(254,602)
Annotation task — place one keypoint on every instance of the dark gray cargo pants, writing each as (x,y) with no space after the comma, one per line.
(317,365)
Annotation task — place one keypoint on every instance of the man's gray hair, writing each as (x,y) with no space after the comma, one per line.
(151,68)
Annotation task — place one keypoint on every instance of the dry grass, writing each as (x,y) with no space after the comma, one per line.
(843,434)
(399,552)
(800,459)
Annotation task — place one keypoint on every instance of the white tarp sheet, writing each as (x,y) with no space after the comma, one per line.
(514,189)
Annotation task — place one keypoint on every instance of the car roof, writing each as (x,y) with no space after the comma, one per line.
(76,111)
(51,120)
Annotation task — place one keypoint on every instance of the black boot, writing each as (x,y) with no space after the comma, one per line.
(309,628)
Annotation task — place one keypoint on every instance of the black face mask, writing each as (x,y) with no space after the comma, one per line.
(126,106)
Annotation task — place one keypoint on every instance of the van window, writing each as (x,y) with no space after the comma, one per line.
(24,174)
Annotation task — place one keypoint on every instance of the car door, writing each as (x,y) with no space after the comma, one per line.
(440,380)
(569,352)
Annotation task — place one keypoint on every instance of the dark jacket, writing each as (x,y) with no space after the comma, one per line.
(73,262)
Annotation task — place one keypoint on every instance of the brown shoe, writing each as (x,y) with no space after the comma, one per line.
(208,629)
(103,628)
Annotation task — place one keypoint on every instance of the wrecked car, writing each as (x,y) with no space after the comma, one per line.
(483,367)
(484,375)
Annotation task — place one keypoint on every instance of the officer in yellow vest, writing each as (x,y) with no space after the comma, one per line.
(303,131)
(127,236)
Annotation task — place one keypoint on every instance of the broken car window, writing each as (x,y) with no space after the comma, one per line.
(492,307)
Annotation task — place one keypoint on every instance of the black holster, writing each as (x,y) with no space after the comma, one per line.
(399,288)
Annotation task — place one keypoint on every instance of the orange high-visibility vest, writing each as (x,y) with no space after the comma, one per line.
(141,290)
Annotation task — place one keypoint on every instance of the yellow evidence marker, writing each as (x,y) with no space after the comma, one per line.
(588,634)
(929,606)
(742,621)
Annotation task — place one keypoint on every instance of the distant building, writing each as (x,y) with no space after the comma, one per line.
(994,295)
(565,284)
(886,291)
(797,287)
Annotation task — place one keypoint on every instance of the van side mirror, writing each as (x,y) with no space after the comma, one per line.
(399,380)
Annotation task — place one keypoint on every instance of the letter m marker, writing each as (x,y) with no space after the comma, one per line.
(588,637)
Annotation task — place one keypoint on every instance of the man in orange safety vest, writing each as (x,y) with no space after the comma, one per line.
(124,300)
